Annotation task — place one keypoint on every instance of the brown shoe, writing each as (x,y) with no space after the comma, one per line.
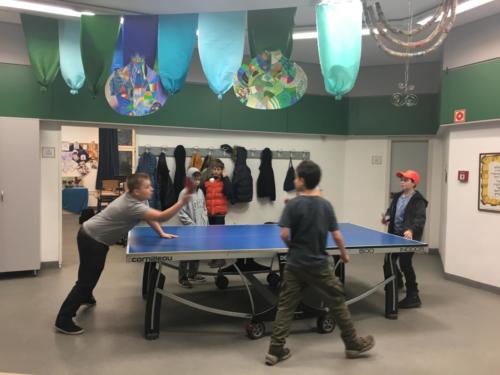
(359,346)
(277,353)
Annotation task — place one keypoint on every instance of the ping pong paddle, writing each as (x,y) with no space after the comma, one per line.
(189,185)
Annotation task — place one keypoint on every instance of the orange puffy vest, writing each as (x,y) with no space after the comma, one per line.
(214,197)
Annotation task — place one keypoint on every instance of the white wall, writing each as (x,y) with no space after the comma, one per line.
(366,186)
(12,44)
(473,42)
(51,201)
(471,242)
(328,152)
(83,134)
(435,183)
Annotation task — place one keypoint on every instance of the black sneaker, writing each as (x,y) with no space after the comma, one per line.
(68,327)
(185,283)
(359,346)
(277,353)
(197,279)
(410,302)
(90,302)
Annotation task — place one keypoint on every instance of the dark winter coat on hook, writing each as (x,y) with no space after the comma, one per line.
(180,169)
(166,186)
(242,178)
(266,187)
(147,164)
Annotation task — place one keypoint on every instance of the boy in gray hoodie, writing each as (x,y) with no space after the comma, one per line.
(193,213)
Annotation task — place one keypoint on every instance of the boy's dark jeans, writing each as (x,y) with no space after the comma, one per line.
(188,269)
(217,220)
(406,264)
(92,259)
(295,280)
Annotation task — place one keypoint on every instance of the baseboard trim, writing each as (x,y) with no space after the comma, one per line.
(48,265)
(434,251)
(472,283)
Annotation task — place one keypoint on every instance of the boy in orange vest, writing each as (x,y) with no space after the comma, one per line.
(218,192)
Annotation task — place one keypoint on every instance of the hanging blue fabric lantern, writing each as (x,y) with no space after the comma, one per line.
(118,62)
(70,56)
(339,24)
(221,41)
(176,41)
(140,38)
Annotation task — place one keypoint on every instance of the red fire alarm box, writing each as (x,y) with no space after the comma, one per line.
(459,115)
(463,176)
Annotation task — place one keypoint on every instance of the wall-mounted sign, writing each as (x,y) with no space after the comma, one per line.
(459,115)
(489,182)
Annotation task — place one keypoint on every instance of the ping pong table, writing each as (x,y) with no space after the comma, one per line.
(255,241)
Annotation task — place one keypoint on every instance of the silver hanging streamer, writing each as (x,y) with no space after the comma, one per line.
(391,39)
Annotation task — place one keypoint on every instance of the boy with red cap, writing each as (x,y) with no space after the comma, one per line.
(406,218)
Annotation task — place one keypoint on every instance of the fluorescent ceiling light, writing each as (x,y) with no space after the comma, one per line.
(42,8)
(461,8)
(298,35)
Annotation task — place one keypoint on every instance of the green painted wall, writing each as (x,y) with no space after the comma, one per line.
(196,106)
(475,88)
(377,116)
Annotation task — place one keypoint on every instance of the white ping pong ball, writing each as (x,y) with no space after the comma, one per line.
(212,179)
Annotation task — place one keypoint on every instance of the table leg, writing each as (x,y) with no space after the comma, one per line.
(146,278)
(153,304)
(339,268)
(391,288)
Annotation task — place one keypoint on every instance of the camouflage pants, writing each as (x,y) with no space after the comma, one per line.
(295,280)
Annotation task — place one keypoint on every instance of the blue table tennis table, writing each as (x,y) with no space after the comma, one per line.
(254,241)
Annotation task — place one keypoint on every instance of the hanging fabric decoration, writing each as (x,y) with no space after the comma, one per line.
(221,42)
(135,90)
(70,56)
(271,30)
(140,38)
(41,36)
(176,41)
(118,54)
(339,43)
(98,40)
(270,81)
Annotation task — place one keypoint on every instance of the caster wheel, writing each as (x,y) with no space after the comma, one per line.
(221,282)
(273,279)
(325,324)
(255,330)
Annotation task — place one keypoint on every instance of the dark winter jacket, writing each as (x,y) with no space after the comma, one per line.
(147,164)
(242,178)
(414,216)
(180,170)
(266,187)
(166,186)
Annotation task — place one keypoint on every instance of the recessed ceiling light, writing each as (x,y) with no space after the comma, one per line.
(43,8)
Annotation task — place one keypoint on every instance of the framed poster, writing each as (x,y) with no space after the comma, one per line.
(489,182)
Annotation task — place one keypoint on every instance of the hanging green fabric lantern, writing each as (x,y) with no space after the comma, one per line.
(339,24)
(271,30)
(99,35)
(43,47)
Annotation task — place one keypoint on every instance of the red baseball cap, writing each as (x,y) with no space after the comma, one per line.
(410,174)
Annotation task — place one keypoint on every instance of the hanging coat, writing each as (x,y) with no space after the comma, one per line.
(180,169)
(196,160)
(266,187)
(288,184)
(147,164)
(206,169)
(242,178)
(165,184)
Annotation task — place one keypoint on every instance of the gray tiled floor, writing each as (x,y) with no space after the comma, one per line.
(456,332)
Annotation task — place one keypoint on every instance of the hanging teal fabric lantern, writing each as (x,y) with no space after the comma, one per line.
(339,24)
(221,41)
(176,41)
(70,56)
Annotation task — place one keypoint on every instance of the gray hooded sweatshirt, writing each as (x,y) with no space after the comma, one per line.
(194,212)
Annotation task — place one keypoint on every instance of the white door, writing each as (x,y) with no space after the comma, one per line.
(409,155)
(20,194)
